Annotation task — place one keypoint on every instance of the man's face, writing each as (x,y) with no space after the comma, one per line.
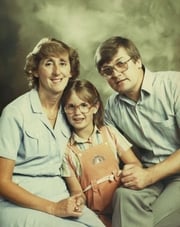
(122,73)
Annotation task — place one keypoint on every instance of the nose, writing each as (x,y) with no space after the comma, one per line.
(56,70)
(77,110)
(116,73)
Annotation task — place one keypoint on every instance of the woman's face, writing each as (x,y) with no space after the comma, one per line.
(79,113)
(54,73)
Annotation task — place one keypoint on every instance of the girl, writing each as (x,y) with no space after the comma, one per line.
(94,150)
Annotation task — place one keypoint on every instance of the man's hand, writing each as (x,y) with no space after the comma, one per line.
(135,177)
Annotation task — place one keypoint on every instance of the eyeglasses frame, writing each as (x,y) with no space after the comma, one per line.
(78,106)
(106,76)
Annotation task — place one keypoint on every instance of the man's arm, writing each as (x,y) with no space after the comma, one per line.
(135,177)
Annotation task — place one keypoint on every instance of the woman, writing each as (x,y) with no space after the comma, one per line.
(94,150)
(33,137)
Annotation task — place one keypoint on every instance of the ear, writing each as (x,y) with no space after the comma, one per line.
(96,107)
(139,63)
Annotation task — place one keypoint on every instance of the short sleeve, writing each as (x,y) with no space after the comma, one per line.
(10,133)
(65,169)
(119,141)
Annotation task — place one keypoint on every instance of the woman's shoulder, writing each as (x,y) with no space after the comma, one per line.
(18,107)
(18,102)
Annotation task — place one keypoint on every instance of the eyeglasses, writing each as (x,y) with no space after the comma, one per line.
(108,71)
(83,107)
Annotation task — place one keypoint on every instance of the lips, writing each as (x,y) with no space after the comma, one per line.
(56,80)
(78,120)
(120,81)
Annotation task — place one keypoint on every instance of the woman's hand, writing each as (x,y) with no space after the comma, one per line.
(70,207)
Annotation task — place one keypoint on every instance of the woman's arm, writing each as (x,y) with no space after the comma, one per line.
(21,197)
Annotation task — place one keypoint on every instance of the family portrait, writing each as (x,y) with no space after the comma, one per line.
(90,113)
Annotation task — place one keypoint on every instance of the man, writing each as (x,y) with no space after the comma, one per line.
(146,109)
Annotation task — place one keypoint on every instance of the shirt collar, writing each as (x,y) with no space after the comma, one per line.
(75,139)
(35,101)
(37,108)
(147,84)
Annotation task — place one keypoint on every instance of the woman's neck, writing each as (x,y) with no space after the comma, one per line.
(49,100)
(50,105)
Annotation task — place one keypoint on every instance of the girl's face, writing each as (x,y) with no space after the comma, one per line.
(80,113)
(54,73)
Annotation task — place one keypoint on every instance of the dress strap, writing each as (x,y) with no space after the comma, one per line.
(112,177)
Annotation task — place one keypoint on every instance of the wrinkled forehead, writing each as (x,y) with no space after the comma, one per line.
(63,56)
(59,57)
(54,49)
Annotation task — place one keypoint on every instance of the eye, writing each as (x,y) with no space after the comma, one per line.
(70,106)
(107,70)
(48,63)
(119,64)
(84,105)
(62,63)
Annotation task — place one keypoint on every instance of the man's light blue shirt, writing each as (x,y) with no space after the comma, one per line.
(152,123)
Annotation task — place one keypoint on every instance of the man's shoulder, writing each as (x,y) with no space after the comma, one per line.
(167,75)
(167,78)
(112,99)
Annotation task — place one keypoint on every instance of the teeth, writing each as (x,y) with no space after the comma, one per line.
(79,119)
(56,80)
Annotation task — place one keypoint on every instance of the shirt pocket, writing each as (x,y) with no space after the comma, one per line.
(167,128)
(36,142)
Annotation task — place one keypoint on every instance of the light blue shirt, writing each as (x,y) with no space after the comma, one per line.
(27,137)
(153,123)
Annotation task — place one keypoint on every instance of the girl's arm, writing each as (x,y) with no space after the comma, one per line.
(74,185)
(129,157)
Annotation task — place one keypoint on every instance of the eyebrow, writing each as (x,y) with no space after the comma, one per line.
(61,59)
(51,59)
